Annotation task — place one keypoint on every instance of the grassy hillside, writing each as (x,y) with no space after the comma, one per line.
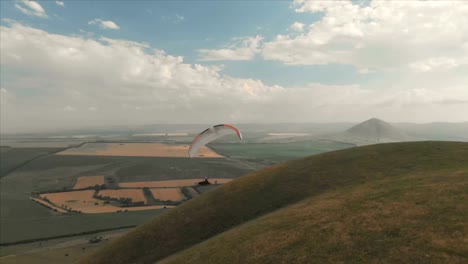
(397,201)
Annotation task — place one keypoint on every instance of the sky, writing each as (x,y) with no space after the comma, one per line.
(72,64)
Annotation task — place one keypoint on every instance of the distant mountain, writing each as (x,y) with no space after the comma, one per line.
(375,129)
(371,131)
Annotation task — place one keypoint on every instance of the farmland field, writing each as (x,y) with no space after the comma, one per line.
(21,218)
(135,194)
(277,151)
(84,201)
(168,194)
(79,200)
(138,150)
(88,181)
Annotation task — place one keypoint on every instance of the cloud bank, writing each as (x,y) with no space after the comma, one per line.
(384,35)
(62,81)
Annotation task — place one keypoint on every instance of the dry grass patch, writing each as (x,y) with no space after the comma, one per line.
(169,194)
(139,150)
(172,183)
(135,194)
(88,181)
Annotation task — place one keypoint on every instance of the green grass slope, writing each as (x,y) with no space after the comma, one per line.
(401,201)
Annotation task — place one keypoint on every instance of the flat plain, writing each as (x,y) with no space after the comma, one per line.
(138,150)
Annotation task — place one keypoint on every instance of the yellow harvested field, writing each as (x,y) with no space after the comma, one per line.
(135,194)
(168,194)
(60,210)
(83,201)
(172,183)
(87,181)
(78,200)
(137,150)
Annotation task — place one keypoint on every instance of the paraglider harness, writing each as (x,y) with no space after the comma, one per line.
(204,182)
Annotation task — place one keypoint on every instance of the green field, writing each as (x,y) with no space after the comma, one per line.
(386,203)
(56,251)
(11,158)
(278,151)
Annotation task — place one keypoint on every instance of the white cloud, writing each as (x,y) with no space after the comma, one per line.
(126,82)
(69,108)
(438,63)
(31,8)
(104,24)
(60,3)
(241,49)
(297,26)
(382,35)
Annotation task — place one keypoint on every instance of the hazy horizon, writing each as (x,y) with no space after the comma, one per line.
(74,64)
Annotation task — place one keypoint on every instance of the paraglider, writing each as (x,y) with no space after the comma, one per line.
(211,134)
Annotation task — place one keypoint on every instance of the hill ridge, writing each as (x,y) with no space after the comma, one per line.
(262,192)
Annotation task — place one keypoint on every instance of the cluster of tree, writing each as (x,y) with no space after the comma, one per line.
(147,191)
(186,192)
(122,200)
(46,206)
(69,209)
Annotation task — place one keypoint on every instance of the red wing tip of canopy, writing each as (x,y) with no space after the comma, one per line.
(239,134)
(233,128)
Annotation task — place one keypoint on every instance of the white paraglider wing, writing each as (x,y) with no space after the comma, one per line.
(211,134)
